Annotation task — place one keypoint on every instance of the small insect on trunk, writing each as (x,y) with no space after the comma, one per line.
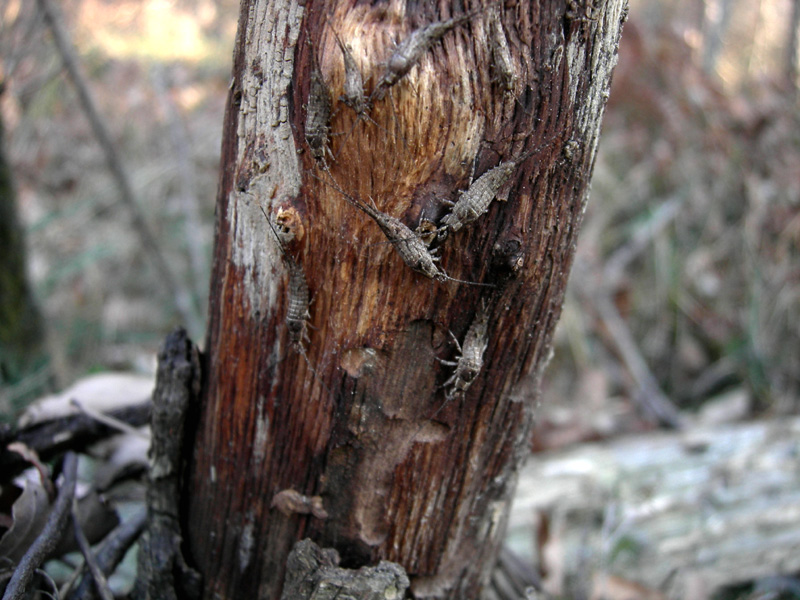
(470,360)
(318,114)
(411,248)
(297,314)
(409,52)
(409,245)
(353,81)
(502,63)
(475,200)
(299,298)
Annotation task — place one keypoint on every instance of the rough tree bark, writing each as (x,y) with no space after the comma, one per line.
(351,425)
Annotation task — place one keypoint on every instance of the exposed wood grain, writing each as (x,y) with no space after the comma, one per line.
(350,419)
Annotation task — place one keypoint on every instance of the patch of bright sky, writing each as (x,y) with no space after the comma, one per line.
(163,30)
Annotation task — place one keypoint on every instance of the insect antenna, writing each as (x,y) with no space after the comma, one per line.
(413,251)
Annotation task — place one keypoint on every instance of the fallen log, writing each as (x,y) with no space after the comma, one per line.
(684,513)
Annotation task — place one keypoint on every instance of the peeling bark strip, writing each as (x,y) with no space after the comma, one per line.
(360,426)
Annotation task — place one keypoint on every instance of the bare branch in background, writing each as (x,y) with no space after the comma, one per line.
(111,552)
(182,299)
(100,581)
(14,50)
(188,201)
(650,396)
(625,255)
(717,19)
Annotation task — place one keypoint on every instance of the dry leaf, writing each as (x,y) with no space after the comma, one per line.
(29,515)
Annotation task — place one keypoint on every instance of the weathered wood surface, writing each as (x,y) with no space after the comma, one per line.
(313,573)
(356,419)
(162,573)
(684,513)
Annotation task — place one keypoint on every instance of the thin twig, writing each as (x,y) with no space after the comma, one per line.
(100,581)
(49,580)
(49,537)
(625,255)
(181,298)
(652,399)
(108,420)
(111,552)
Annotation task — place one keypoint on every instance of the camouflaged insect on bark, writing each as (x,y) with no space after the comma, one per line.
(475,200)
(470,360)
(409,52)
(318,114)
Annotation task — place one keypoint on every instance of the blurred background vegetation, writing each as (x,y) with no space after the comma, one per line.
(685,293)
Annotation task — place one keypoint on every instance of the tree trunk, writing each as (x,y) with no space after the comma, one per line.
(353,425)
(22,351)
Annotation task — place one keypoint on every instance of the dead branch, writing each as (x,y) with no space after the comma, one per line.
(51,438)
(187,190)
(717,506)
(111,552)
(100,581)
(50,536)
(161,568)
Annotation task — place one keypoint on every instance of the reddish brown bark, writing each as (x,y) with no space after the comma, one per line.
(399,478)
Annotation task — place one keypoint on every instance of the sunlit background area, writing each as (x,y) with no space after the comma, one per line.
(684,301)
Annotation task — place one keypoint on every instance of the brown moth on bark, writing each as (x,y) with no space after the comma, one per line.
(357,425)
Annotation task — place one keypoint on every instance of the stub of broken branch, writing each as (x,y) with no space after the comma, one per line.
(160,557)
(313,572)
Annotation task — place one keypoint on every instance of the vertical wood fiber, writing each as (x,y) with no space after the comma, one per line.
(360,423)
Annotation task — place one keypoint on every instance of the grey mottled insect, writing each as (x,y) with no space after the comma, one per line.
(475,200)
(318,114)
(353,81)
(299,299)
(409,52)
(502,62)
(353,88)
(411,248)
(470,360)
(297,314)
